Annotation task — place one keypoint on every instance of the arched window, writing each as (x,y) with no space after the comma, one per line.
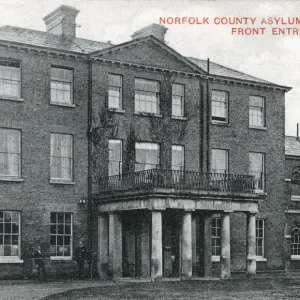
(296,176)
(295,241)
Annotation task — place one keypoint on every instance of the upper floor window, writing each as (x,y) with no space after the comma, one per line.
(60,234)
(260,237)
(219,106)
(61,86)
(219,161)
(177,100)
(10,152)
(257,111)
(177,157)
(146,156)
(257,169)
(146,96)
(61,161)
(10,79)
(295,242)
(115,157)
(114,91)
(10,234)
(216,236)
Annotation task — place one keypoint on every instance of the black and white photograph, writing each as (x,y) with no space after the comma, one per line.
(149,149)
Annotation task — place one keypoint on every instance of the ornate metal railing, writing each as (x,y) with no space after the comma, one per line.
(178,180)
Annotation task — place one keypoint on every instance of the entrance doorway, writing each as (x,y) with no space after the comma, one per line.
(171,243)
(135,242)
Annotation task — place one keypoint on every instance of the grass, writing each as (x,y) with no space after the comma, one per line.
(266,288)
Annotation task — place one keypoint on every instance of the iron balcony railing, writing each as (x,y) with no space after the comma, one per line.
(178,180)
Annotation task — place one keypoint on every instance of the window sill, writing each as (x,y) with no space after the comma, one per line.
(295,257)
(59,258)
(260,258)
(62,104)
(146,114)
(257,127)
(295,198)
(261,192)
(215,258)
(182,118)
(10,260)
(117,110)
(220,123)
(11,98)
(11,179)
(62,181)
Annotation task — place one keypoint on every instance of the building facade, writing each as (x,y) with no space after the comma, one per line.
(166,166)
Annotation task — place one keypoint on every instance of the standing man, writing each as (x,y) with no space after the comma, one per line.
(39,261)
(80,256)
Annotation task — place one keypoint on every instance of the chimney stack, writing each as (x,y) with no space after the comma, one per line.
(62,21)
(155,30)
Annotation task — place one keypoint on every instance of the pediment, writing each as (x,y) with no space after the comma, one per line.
(149,52)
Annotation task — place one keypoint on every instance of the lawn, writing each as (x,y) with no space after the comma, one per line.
(259,288)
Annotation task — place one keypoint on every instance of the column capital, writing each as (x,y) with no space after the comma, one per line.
(251,213)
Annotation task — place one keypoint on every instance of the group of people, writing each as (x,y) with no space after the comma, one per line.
(80,256)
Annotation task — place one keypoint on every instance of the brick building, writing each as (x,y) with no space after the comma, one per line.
(166,166)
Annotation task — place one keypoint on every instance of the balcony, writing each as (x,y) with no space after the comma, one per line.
(177,181)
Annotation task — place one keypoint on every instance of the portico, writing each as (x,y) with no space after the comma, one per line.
(161,233)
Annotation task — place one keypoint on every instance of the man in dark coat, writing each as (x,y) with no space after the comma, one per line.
(80,256)
(39,261)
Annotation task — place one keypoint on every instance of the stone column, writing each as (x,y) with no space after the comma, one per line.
(225,245)
(156,253)
(207,247)
(251,244)
(186,246)
(115,245)
(103,246)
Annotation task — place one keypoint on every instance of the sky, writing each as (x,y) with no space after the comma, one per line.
(275,58)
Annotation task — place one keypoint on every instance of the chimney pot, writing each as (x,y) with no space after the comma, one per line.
(156,30)
(61,21)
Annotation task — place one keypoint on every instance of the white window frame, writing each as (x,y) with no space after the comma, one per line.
(146,146)
(146,93)
(217,103)
(254,110)
(214,156)
(215,221)
(176,97)
(178,167)
(62,179)
(110,149)
(57,257)
(263,173)
(64,82)
(297,243)
(9,176)
(260,228)
(114,88)
(10,65)
(15,258)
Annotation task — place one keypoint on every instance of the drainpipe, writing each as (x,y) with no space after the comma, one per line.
(208,119)
(90,164)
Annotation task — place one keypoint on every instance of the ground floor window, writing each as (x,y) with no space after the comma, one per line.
(295,242)
(9,234)
(260,236)
(216,237)
(60,234)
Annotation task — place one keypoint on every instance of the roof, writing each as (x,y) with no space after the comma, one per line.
(292,146)
(49,40)
(77,45)
(219,70)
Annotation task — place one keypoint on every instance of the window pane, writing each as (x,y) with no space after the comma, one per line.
(177,157)
(219,161)
(256,111)
(61,160)
(115,157)
(61,85)
(60,234)
(147,156)
(256,161)
(219,106)
(10,78)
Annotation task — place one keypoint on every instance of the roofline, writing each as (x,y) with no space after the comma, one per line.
(87,55)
